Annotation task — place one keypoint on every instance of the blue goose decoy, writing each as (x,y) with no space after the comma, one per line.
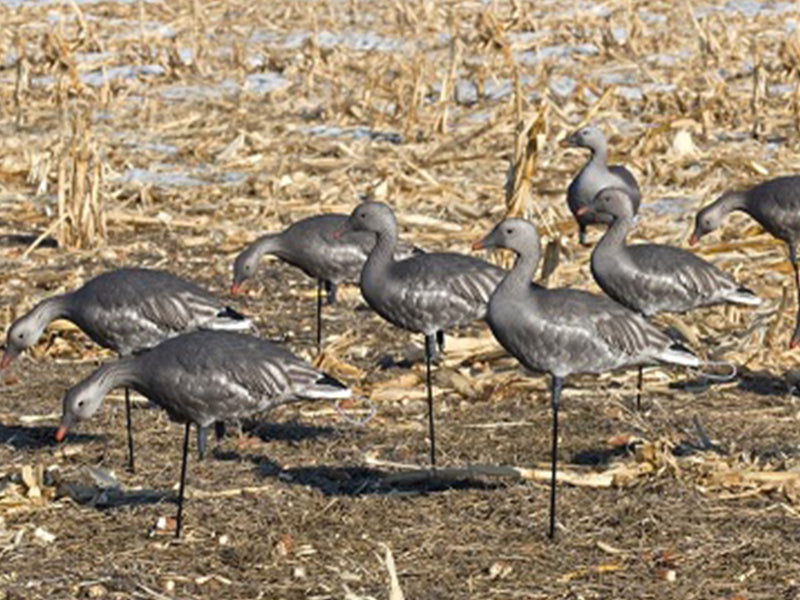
(201,378)
(309,245)
(775,204)
(654,278)
(427,293)
(565,331)
(596,175)
(127,311)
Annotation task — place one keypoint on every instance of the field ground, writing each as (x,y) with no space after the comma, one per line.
(170,134)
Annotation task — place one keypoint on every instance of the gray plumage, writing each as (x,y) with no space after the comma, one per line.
(206,376)
(655,278)
(425,293)
(310,246)
(566,331)
(596,175)
(775,204)
(128,310)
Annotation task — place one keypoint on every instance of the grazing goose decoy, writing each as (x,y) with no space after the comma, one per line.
(596,175)
(309,245)
(426,293)
(564,331)
(201,378)
(654,278)
(775,204)
(128,311)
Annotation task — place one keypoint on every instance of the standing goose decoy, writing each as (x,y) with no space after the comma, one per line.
(775,204)
(426,293)
(654,278)
(128,311)
(596,175)
(310,246)
(565,331)
(201,378)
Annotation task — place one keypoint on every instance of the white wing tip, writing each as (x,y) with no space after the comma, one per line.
(229,325)
(746,298)
(678,357)
(327,388)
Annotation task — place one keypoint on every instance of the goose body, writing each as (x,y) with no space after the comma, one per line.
(310,245)
(564,331)
(775,204)
(594,176)
(655,278)
(129,311)
(201,378)
(426,293)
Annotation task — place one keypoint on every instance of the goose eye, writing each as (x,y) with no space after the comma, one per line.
(509,230)
(20,336)
(80,403)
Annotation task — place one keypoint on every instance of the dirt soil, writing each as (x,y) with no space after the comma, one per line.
(170,134)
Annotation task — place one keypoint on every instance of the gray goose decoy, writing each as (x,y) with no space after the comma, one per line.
(201,378)
(596,175)
(128,311)
(654,278)
(775,204)
(426,293)
(309,245)
(564,331)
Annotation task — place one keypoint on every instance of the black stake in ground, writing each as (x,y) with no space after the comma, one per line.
(430,348)
(179,518)
(129,425)
(555,393)
(320,284)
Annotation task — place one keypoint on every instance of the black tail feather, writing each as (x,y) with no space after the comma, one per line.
(229,313)
(326,379)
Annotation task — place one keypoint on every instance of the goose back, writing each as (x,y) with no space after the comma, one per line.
(132,309)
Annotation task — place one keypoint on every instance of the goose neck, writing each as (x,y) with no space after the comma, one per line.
(521,274)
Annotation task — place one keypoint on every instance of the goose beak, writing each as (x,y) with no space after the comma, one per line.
(61,433)
(236,289)
(794,341)
(6,359)
(479,245)
(582,211)
(694,239)
(567,142)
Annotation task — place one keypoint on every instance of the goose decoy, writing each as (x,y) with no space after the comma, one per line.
(204,377)
(654,278)
(596,175)
(775,204)
(310,246)
(427,293)
(565,331)
(128,311)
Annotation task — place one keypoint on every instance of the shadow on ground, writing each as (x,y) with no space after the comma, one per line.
(21,437)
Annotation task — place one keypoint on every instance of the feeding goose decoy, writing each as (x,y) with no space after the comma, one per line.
(204,377)
(128,311)
(654,278)
(565,331)
(596,175)
(427,293)
(309,245)
(775,204)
